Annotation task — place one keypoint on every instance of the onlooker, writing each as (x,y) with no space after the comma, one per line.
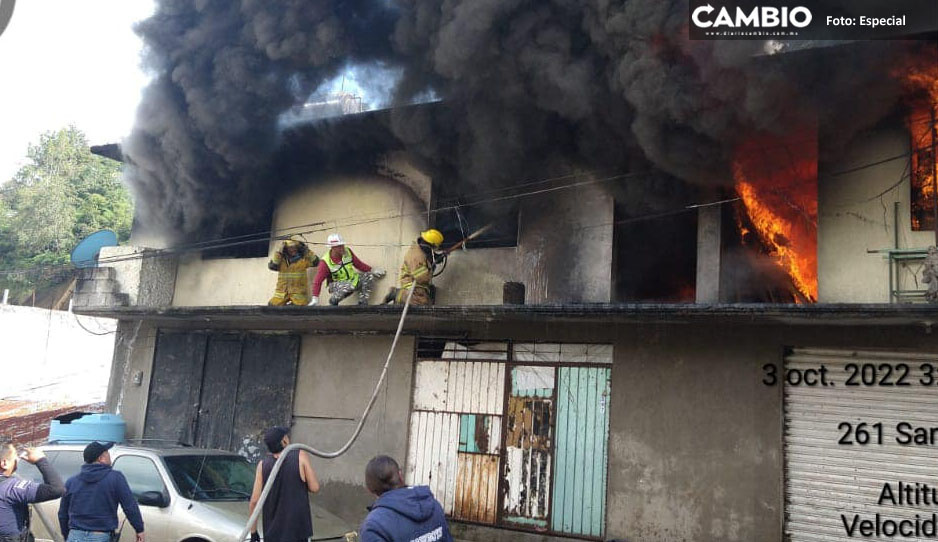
(401,513)
(286,510)
(16,494)
(88,512)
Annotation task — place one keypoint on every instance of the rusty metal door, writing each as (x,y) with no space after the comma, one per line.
(455,432)
(528,446)
(513,435)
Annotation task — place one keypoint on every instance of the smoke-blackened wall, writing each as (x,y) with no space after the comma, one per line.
(532,90)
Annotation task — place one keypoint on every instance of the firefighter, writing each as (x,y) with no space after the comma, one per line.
(291,262)
(420,263)
(345,273)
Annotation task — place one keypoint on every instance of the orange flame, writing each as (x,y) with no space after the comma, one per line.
(924,167)
(776,178)
(919,75)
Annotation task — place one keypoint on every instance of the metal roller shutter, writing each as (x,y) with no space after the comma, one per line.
(824,479)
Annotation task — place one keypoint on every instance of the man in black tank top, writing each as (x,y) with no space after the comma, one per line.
(286,516)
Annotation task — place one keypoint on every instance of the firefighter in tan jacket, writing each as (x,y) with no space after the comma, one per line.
(420,261)
(291,263)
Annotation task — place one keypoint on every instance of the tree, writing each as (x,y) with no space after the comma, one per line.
(60,196)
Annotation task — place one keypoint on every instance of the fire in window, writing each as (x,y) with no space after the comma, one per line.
(923,174)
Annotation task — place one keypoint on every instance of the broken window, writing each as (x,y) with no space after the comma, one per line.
(513,434)
(457,221)
(923,173)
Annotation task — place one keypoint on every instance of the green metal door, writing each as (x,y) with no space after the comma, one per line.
(581,450)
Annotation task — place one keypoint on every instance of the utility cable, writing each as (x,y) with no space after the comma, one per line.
(264,235)
(77,321)
(330,455)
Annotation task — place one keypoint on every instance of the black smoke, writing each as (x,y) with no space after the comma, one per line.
(531,89)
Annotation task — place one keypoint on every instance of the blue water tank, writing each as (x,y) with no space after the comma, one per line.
(82,427)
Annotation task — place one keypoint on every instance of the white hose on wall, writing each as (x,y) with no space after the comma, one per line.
(351,440)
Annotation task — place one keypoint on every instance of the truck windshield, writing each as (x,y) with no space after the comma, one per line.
(211,477)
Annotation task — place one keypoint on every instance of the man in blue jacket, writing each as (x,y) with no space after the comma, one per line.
(88,511)
(401,513)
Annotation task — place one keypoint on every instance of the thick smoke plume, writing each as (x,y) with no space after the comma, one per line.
(532,89)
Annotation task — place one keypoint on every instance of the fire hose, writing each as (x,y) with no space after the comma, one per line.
(330,455)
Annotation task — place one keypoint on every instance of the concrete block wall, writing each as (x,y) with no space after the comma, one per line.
(147,279)
(98,287)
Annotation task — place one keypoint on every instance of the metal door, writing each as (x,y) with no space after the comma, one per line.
(825,479)
(528,446)
(221,390)
(582,435)
(172,407)
(220,379)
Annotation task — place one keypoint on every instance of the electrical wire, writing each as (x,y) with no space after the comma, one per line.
(243,239)
(78,321)
(264,236)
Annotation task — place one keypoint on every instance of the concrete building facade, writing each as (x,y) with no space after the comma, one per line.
(660,414)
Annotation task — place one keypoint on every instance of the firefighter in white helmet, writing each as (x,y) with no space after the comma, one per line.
(291,263)
(345,273)
(420,263)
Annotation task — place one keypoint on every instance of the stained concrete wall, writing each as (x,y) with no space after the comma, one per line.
(856,214)
(377,217)
(695,446)
(477,276)
(566,246)
(335,379)
(564,253)
(147,280)
(223,282)
(133,357)
(695,451)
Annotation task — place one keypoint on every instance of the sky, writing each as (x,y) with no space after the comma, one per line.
(68,62)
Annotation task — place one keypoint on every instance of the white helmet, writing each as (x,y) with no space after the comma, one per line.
(335,240)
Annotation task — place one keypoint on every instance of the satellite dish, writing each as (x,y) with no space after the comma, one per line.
(86,253)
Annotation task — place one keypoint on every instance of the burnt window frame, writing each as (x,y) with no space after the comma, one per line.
(921,208)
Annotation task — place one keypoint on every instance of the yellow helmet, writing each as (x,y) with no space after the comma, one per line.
(291,243)
(434,237)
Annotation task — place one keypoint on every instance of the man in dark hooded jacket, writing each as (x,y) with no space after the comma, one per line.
(88,511)
(401,513)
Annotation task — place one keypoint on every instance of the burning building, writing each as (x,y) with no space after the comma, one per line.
(676,275)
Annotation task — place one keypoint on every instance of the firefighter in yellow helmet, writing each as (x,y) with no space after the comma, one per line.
(420,262)
(291,262)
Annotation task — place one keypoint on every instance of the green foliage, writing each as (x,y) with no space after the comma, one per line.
(62,194)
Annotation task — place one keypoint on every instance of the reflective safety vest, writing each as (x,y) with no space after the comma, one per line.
(344,270)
